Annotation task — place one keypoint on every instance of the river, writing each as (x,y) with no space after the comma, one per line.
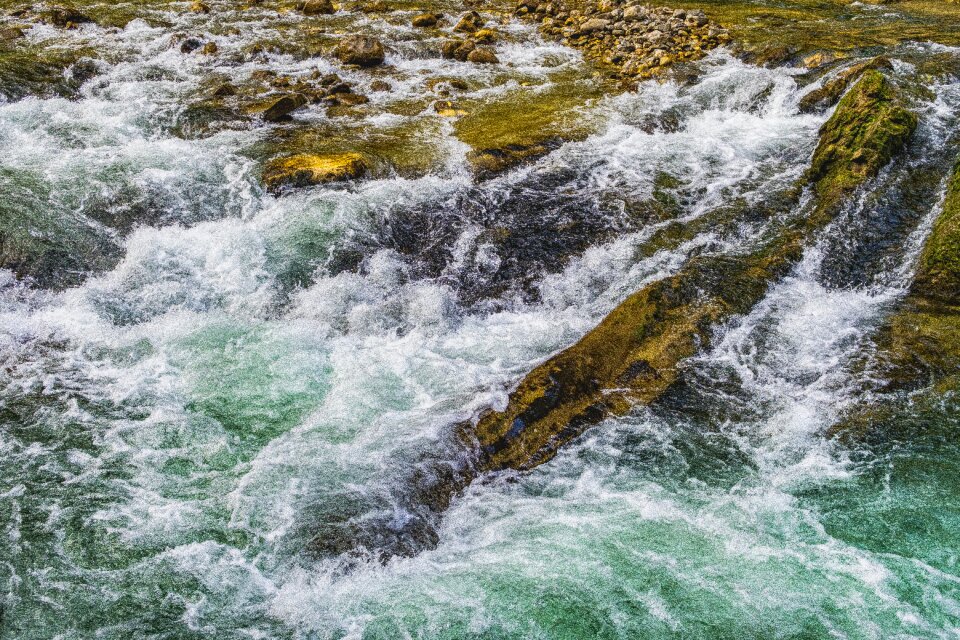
(240,369)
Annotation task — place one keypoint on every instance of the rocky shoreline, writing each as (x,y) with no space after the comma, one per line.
(635,40)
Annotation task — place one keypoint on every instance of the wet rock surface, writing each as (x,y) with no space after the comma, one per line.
(306,170)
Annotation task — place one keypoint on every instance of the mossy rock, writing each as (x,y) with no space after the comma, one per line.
(869,126)
(918,349)
(831,92)
(35,70)
(523,125)
(410,149)
(938,272)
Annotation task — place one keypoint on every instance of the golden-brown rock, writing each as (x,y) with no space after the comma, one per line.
(304,170)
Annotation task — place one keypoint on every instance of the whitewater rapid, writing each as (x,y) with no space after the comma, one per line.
(180,426)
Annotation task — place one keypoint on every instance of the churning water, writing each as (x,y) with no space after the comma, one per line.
(243,368)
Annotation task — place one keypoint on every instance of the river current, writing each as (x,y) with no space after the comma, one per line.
(177,427)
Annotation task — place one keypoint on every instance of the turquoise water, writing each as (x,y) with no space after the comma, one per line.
(180,426)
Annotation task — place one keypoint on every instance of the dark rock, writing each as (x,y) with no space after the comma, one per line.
(362,51)
(349,99)
(281,108)
(64,17)
(224,90)
(463,51)
(84,70)
(329,80)
(449,48)
(190,45)
(341,87)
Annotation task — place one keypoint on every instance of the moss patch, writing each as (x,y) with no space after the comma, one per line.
(525,124)
(938,273)
(793,29)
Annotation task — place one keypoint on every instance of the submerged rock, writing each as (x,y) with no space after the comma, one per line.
(938,271)
(190,45)
(631,357)
(362,51)
(306,169)
(917,352)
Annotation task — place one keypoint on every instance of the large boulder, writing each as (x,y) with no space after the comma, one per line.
(868,127)
(305,169)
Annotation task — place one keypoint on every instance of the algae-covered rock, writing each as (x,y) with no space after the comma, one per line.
(487,163)
(425,20)
(829,94)
(917,351)
(522,126)
(631,357)
(469,22)
(482,55)
(868,127)
(305,170)
(938,271)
